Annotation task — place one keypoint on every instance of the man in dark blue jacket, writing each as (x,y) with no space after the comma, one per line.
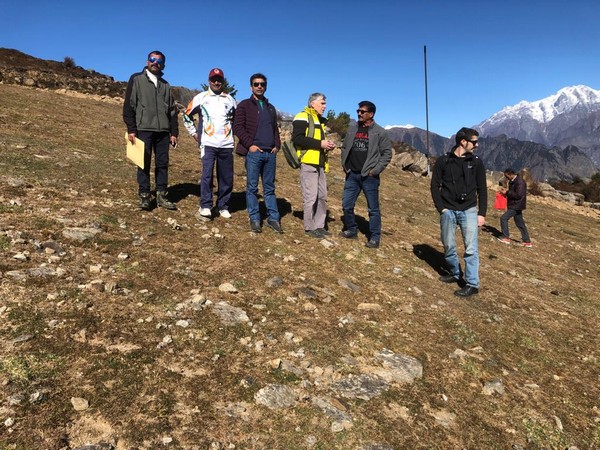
(459,191)
(255,125)
(516,198)
(150,115)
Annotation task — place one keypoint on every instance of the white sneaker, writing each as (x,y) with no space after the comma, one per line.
(225,214)
(205,212)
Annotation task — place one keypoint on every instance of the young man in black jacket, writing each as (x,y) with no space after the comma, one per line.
(459,191)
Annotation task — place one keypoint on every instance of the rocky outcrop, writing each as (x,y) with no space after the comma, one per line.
(18,68)
(411,161)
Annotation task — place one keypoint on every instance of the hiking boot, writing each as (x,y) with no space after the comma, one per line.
(527,244)
(225,214)
(163,202)
(255,226)
(314,234)
(448,279)
(372,244)
(145,201)
(348,234)
(275,225)
(504,240)
(467,291)
(323,231)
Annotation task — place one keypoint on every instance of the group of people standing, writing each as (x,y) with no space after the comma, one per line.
(150,115)
(458,184)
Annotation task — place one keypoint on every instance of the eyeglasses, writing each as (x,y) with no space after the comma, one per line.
(259,83)
(216,80)
(154,59)
(362,111)
(474,142)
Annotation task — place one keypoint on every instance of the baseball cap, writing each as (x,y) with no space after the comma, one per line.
(216,72)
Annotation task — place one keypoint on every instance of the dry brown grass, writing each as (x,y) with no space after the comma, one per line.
(534,325)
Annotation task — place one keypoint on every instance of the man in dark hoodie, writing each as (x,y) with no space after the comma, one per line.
(458,188)
(150,115)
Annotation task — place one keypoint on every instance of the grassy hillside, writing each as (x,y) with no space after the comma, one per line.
(137,319)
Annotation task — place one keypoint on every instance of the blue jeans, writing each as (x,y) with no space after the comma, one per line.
(261,165)
(224,160)
(519,222)
(467,222)
(355,183)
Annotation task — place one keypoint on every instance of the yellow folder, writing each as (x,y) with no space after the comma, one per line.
(135,152)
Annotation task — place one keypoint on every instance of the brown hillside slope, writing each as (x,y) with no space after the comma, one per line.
(137,320)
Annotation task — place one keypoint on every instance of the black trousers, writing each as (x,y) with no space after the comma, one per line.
(157,143)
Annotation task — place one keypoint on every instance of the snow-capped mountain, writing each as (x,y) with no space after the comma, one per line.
(569,117)
(564,101)
(408,125)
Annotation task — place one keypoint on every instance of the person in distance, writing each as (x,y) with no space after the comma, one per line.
(516,202)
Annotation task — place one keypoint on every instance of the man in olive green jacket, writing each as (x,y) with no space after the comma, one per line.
(150,115)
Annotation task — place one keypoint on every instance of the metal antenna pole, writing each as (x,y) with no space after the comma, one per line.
(426,109)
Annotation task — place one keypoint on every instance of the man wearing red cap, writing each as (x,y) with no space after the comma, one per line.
(214,134)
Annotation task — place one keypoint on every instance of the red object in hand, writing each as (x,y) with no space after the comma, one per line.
(500,202)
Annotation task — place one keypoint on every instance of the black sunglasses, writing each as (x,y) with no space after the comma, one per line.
(259,83)
(217,79)
(362,111)
(474,142)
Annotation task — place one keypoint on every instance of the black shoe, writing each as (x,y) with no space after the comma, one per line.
(467,291)
(314,234)
(275,225)
(323,232)
(448,279)
(372,244)
(163,202)
(145,201)
(255,226)
(348,234)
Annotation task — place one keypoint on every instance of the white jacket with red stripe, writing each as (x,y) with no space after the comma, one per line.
(215,118)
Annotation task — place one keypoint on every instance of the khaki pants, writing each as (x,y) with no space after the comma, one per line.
(314,195)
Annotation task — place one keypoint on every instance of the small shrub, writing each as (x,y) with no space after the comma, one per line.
(338,123)
(69,62)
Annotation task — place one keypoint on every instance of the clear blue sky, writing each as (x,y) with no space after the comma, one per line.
(482,55)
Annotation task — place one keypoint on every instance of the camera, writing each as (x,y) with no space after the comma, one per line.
(461,197)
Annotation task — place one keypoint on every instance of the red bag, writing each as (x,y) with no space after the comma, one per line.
(500,202)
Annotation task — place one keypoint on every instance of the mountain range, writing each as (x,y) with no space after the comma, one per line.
(569,117)
(556,138)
